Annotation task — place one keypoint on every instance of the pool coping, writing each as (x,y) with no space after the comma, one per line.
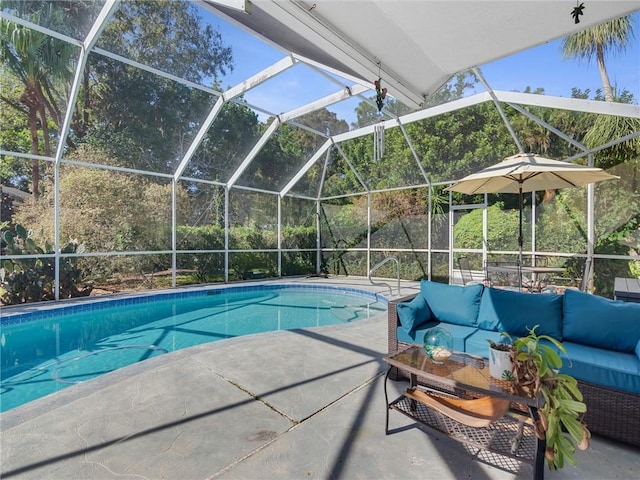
(45,310)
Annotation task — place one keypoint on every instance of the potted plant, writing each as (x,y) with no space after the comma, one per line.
(536,371)
(500,362)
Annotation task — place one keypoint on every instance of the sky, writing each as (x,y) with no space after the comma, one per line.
(539,67)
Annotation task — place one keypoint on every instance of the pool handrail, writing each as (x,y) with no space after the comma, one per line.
(382,284)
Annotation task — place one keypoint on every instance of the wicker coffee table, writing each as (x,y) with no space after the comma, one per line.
(437,390)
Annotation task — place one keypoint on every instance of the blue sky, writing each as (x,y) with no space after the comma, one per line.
(542,66)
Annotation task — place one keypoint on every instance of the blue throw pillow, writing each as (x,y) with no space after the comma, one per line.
(453,303)
(600,322)
(516,312)
(414,313)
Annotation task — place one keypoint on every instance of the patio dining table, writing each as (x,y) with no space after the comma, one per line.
(524,269)
(533,270)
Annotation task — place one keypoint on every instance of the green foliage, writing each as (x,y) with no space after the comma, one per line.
(32,279)
(111,211)
(536,371)
(208,266)
(6,208)
(142,119)
(502,230)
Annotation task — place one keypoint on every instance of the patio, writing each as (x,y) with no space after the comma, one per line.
(214,411)
(184,202)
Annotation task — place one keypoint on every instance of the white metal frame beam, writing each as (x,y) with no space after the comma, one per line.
(230,94)
(551,128)
(254,151)
(305,168)
(337,97)
(288,117)
(498,106)
(313,29)
(92,37)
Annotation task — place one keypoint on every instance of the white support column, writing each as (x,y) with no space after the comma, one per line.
(174,233)
(318,238)
(87,45)
(325,167)
(589,262)
(226,235)
(485,229)
(451,223)
(368,233)
(279,200)
(56,230)
(429,222)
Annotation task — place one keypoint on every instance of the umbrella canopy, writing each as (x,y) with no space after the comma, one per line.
(526,172)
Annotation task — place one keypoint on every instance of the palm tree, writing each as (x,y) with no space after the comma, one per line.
(614,35)
(610,36)
(39,61)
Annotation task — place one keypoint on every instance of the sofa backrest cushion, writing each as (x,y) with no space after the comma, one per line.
(414,313)
(600,322)
(453,303)
(516,312)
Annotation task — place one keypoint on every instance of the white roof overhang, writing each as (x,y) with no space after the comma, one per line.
(414,46)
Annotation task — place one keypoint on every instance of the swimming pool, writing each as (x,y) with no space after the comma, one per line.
(46,350)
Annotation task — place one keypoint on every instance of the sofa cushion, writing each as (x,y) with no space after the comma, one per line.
(459,333)
(453,303)
(516,312)
(478,342)
(600,322)
(617,370)
(413,313)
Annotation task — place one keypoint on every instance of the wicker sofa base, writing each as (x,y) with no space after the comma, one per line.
(610,413)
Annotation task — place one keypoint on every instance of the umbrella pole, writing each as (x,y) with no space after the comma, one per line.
(520,240)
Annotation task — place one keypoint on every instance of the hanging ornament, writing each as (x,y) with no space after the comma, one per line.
(378,142)
(381,93)
(577,11)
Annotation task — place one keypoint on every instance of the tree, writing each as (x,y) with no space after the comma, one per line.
(596,41)
(143,120)
(43,65)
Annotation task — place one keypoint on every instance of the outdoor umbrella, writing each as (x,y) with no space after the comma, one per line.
(527,172)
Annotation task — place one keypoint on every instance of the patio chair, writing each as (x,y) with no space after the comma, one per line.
(535,283)
(503,274)
(465,271)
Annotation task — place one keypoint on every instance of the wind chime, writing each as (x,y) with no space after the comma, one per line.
(378,142)
(378,130)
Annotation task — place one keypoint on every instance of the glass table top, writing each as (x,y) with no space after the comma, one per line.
(460,370)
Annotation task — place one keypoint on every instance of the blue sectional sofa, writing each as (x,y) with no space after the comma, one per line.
(602,338)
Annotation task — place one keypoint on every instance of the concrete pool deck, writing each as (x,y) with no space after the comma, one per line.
(280,405)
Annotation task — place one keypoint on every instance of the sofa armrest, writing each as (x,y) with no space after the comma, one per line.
(393,321)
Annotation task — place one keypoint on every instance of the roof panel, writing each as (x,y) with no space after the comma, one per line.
(415,46)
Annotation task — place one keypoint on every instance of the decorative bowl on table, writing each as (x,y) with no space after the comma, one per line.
(438,344)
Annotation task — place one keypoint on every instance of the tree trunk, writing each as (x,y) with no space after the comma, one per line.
(30,99)
(604,76)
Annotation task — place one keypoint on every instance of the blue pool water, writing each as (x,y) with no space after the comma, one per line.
(47,350)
